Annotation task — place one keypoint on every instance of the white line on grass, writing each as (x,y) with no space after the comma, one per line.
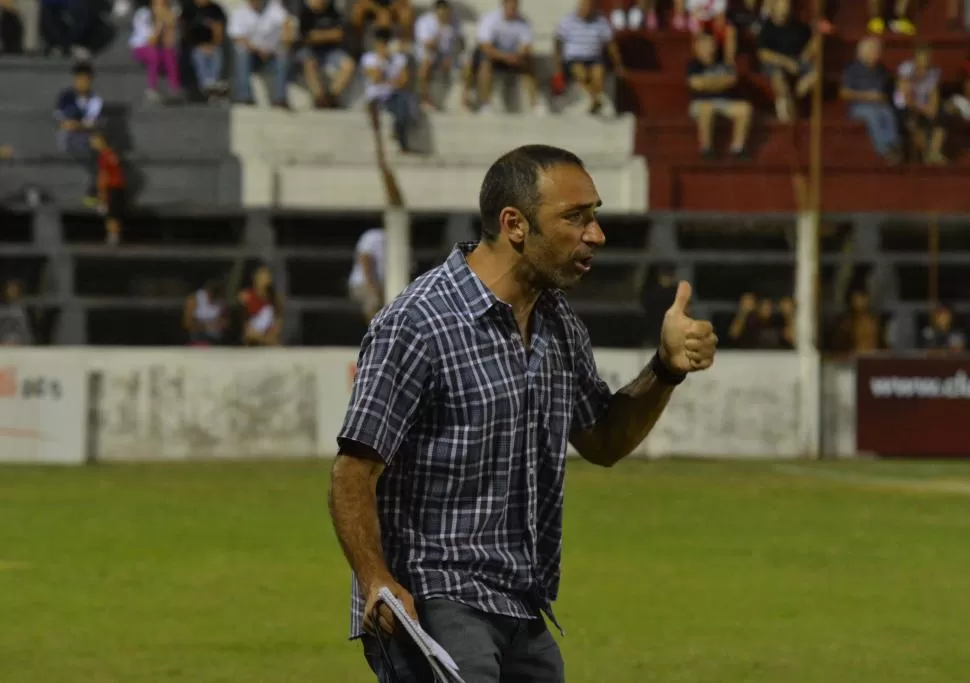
(938,486)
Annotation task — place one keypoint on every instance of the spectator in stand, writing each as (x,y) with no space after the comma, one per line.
(712,92)
(387,76)
(263,311)
(899,23)
(787,49)
(865,87)
(112,197)
(78,113)
(15,328)
(860,330)
(583,39)
(322,35)
(366,282)
(756,326)
(204,23)
(205,315)
(395,15)
(505,46)
(438,47)
(708,16)
(786,311)
(262,33)
(939,337)
(63,25)
(11,28)
(917,98)
(154,44)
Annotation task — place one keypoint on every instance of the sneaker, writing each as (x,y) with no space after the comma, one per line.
(876,26)
(90,201)
(152,96)
(740,154)
(903,26)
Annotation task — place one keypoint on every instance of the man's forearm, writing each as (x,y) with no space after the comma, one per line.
(353,509)
(633,412)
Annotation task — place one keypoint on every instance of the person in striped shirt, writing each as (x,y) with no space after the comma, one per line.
(583,39)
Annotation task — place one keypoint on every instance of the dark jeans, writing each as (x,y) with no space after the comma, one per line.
(401,106)
(78,145)
(487,648)
(63,25)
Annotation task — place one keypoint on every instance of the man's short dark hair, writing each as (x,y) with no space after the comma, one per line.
(83,68)
(442,4)
(383,35)
(513,181)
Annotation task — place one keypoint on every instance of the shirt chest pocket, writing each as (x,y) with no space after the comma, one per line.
(553,390)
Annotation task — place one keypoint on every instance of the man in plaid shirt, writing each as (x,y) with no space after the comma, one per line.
(448,487)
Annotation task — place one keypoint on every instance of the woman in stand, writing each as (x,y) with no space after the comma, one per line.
(154,43)
(263,311)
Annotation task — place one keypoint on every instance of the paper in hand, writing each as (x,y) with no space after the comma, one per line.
(441,662)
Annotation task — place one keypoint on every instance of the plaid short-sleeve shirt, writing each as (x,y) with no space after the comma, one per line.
(473,430)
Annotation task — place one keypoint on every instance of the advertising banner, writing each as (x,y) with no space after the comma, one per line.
(913,406)
(43,408)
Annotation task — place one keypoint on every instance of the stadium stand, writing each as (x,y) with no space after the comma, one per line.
(222,189)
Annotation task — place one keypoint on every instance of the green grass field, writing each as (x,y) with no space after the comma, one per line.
(673,571)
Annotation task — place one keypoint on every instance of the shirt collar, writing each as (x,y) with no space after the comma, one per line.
(478,298)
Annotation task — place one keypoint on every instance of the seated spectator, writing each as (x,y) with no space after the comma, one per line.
(263,311)
(15,328)
(366,282)
(865,84)
(899,23)
(712,92)
(786,310)
(859,330)
(11,28)
(786,50)
(63,26)
(204,23)
(953,15)
(709,16)
(505,47)
(205,315)
(939,336)
(583,38)
(78,112)
(756,326)
(154,44)
(917,97)
(322,35)
(387,81)
(396,15)
(438,46)
(112,194)
(262,33)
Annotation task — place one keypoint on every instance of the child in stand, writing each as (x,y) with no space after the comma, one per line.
(111,188)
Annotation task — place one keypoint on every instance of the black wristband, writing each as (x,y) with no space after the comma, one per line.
(664,374)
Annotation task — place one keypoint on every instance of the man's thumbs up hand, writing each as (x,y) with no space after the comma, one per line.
(686,345)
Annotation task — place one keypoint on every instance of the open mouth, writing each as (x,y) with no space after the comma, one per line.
(584,265)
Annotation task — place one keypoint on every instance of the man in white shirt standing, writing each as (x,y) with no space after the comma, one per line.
(504,46)
(583,38)
(262,33)
(438,45)
(387,80)
(366,282)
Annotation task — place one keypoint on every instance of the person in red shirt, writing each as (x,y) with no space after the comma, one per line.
(263,310)
(111,187)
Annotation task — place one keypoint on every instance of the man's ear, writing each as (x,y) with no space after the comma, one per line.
(514,225)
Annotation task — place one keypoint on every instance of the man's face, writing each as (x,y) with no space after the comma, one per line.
(942,319)
(585,8)
(262,278)
(922,59)
(704,48)
(444,15)
(871,52)
(11,291)
(765,309)
(860,302)
(256,5)
(780,11)
(511,8)
(316,5)
(82,82)
(557,251)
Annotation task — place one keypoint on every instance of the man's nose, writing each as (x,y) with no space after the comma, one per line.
(594,235)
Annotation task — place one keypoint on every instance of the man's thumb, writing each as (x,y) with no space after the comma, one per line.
(682,300)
